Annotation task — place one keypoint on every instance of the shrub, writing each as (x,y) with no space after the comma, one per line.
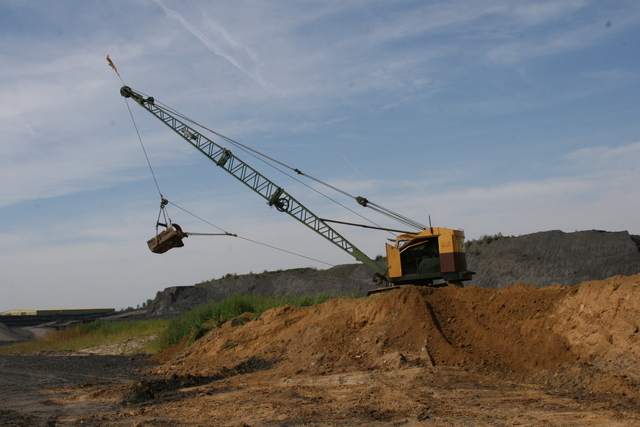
(487,239)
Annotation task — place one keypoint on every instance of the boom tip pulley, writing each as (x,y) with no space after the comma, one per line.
(127,92)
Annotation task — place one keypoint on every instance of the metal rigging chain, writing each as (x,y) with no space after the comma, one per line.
(257,154)
(226,233)
(163,212)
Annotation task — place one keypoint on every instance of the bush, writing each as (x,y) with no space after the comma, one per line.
(488,239)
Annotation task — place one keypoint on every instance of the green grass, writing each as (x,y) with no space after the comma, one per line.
(193,324)
(90,335)
(208,316)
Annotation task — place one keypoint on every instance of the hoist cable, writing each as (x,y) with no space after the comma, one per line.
(396,216)
(135,125)
(257,154)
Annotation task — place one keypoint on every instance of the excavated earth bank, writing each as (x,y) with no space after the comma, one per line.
(554,356)
(519,329)
(389,356)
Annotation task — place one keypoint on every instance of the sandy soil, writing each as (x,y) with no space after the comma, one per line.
(519,356)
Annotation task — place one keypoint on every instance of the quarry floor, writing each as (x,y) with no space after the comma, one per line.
(35,392)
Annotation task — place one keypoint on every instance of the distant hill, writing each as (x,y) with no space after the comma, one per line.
(539,259)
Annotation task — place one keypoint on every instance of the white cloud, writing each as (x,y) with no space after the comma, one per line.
(600,193)
(617,159)
(548,11)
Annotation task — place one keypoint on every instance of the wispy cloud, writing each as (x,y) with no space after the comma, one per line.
(548,11)
(215,48)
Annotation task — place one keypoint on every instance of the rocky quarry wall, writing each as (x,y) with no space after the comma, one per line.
(539,259)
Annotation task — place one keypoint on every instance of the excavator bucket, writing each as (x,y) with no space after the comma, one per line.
(168,239)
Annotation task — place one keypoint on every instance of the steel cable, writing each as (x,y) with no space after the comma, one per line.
(261,156)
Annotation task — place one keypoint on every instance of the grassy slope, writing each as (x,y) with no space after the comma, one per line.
(165,333)
(89,335)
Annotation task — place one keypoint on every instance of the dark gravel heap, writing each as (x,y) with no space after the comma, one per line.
(552,257)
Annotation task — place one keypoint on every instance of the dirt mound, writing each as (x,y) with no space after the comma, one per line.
(556,356)
(537,333)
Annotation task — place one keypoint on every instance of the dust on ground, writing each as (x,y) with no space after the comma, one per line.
(555,356)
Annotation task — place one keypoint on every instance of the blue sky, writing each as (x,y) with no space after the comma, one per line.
(494,116)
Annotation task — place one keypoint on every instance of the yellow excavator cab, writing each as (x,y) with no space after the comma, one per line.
(168,239)
(421,258)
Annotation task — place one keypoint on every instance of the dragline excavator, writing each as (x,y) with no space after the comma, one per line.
(434,256)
